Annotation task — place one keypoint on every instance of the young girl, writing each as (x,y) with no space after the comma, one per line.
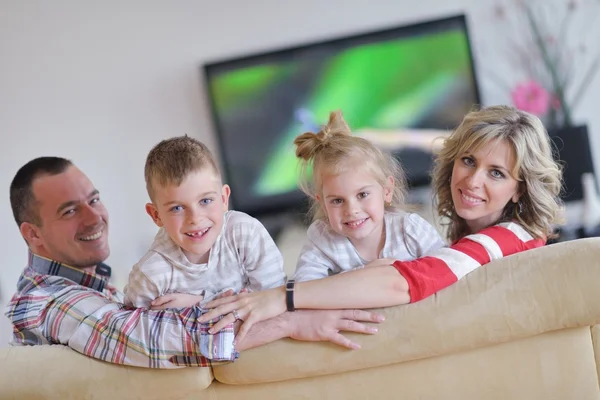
(498,187)
(357,193)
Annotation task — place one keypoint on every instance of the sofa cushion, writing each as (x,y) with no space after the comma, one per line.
(69,375)
(541,290)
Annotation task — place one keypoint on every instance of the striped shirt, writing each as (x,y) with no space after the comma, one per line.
(243,256)
(407,236)
(59,304)
(445,266)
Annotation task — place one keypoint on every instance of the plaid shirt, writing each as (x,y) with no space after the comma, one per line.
(59,304)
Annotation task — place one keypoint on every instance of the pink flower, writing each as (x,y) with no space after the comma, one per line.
(530,96)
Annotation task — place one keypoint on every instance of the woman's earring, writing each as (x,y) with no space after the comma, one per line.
(519,208)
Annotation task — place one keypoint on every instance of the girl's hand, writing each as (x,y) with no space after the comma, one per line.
(250,308)
(175,300)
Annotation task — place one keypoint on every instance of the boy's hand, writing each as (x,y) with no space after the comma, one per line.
(175,300)
(229,292)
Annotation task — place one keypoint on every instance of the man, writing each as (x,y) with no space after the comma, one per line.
(64,297)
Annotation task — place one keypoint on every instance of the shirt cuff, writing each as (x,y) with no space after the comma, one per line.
(219,346)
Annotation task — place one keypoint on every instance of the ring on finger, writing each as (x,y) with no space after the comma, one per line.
(236,315)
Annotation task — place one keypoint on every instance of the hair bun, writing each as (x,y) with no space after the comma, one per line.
(309,144)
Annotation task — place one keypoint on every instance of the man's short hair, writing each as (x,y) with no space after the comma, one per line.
(172,160)
(22,199)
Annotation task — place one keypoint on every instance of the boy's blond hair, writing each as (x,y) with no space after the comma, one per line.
(172,160)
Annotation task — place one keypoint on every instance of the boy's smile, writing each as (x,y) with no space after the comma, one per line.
(192,213)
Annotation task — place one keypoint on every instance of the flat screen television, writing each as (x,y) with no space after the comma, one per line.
(400,87)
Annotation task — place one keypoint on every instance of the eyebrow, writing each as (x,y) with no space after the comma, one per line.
(493,166)
(72,203)
(179,202)
(359,190)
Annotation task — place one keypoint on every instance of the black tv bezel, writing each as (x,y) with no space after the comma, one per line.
(296,200)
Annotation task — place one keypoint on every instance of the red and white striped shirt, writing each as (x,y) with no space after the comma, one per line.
(443,267)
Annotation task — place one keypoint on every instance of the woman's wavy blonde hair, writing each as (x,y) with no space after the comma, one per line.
(334,150)
(538,175)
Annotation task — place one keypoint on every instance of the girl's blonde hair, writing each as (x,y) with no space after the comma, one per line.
(538,175)
(334,150)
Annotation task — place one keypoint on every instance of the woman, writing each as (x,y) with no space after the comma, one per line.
(497,187)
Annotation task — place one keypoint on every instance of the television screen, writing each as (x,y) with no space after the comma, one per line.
(401,88)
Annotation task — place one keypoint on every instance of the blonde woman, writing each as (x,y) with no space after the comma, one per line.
(498,188)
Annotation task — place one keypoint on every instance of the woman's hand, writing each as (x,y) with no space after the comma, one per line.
(175,300)
(250,308)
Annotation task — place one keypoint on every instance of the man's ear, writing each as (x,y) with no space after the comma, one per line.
(388,189)
(31,233)
(153,213)
(225,192)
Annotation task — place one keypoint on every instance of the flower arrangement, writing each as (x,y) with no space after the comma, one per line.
(557,51)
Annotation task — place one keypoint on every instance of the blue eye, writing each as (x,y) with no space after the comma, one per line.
(176,208)
(468,161)
(337,201)
(206,201)
(362,195)
(496,174)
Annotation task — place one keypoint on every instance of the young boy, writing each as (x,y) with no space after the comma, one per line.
(201,250)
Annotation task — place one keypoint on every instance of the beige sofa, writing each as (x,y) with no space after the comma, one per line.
(524,327)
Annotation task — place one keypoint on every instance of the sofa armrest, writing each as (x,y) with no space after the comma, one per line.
(541,290)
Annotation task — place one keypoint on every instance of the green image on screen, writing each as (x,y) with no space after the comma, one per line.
(396,92)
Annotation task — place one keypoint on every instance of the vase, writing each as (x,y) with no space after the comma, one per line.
(573,149)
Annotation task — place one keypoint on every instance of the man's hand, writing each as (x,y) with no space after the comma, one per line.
(175,300)
(326,325)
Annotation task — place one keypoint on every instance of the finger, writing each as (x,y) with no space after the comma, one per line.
(215,312)
(361,315)
(353,326)
(223,322)
(162,306)
(220,301)
(341,340)
(162,300)
(244,329)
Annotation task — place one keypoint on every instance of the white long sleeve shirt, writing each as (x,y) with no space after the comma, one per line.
(407,236)
(243,256)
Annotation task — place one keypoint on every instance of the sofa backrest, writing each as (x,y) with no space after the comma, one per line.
(541,290)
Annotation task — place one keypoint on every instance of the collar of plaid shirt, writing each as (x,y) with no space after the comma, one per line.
(46,266)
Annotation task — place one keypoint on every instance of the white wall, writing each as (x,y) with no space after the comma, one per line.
(102,82)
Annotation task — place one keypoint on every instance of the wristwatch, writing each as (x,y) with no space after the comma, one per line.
(289,294)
